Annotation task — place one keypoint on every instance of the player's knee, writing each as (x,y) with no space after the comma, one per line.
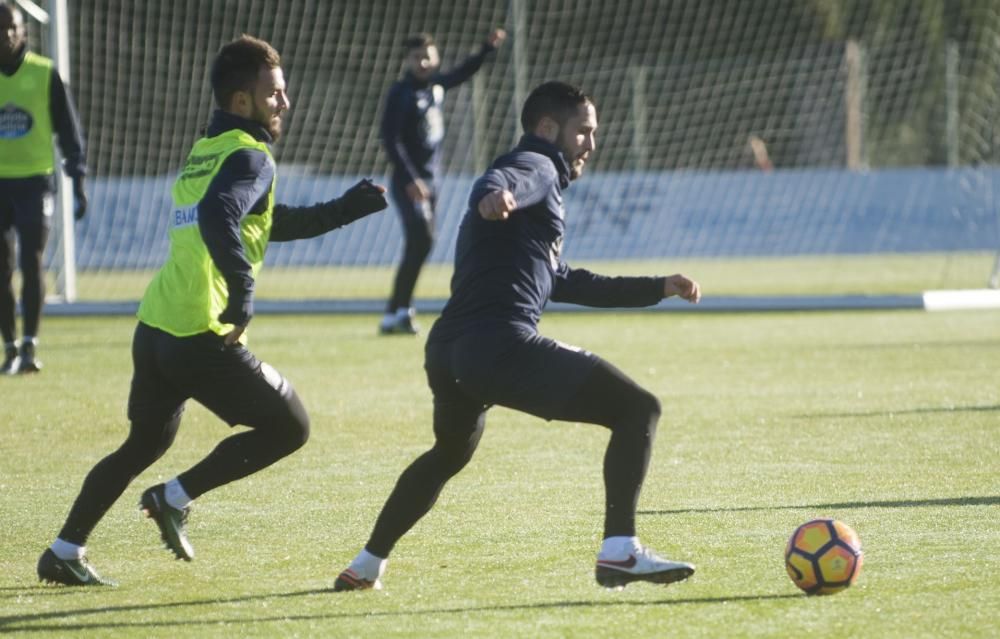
(652,407)
(31,267)
(136,457)
(302,433)
(296,431)
(453,454)
(148,441)
(645,411)
(452,458)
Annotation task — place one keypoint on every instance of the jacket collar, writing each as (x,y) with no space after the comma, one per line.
(531,142)
(223,121)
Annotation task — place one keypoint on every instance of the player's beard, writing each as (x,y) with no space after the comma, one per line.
(8,48)
(576,164)
(270,121)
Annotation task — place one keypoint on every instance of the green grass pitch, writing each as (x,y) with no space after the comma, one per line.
(881,274)
(886,420)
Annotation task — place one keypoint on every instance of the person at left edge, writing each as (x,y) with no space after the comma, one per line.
(34,106)
(189,343)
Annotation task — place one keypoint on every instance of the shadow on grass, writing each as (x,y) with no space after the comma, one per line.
(12,623)
(908,411)
(990,500)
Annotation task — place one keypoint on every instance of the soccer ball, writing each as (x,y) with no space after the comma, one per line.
(823,556)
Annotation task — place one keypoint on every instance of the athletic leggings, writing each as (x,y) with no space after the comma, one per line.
(22,215)
(606,397)
(230,382)
(418,227)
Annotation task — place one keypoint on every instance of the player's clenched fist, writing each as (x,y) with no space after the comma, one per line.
(496,38)
(497,205)
(682,287)
(364,198)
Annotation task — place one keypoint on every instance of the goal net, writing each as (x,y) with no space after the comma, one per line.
(766,147)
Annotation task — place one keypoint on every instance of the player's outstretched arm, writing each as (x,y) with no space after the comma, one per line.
(580,286)
(450,79)
(301,222)
(683,287)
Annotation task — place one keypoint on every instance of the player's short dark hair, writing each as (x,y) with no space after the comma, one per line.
(237,64)
(557,100)
(11,8)
(418,41)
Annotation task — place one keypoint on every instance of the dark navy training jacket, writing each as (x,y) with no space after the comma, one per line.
(412,123)
(507,270)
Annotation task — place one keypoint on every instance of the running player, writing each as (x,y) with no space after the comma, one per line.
(485,348)
(189,340)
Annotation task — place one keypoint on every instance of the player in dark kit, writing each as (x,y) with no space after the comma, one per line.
(485,349)
(189,341)
(412,132)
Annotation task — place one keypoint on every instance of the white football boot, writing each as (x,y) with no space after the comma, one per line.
(639,563)
(364,573)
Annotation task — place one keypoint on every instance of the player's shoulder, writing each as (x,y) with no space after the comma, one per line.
(249,161)
(529,160)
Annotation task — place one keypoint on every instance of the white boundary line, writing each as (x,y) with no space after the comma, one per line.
(961,300)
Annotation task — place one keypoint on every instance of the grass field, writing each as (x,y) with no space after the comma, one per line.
(879,274)
(886,420)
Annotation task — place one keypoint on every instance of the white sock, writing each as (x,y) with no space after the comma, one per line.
(616,547)
(175,495)
(405,312)
(29,339)
(368,566)
(65,550)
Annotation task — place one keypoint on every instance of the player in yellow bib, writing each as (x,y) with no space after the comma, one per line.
(35,107)
(189,342)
